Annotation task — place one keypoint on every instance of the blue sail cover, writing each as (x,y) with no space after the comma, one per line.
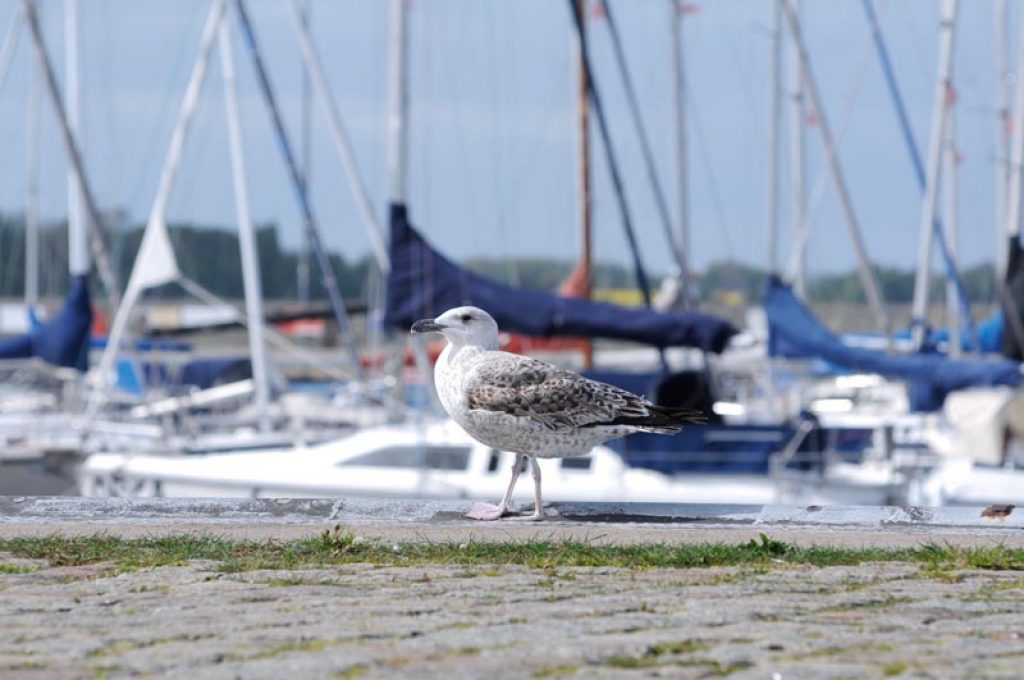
(423,284)
(64,339)
(794,332)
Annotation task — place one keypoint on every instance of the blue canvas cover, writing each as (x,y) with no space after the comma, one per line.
(989,337)
(793,331)
(424,284)
(64,339)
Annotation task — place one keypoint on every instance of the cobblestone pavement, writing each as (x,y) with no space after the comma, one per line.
(876,620)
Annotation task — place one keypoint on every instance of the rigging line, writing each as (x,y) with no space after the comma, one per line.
(716,193)
(613,168)
(97,239)
(279,340)
(915,158)
(9,45)
(753,108)
(821,178)
(327,276)
(675,247)
(163,118)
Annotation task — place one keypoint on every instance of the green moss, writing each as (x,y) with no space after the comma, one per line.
(682,647)
(556,671)
(878,603)
(285,648)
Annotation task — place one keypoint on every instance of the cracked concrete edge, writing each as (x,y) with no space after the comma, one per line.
(406,512)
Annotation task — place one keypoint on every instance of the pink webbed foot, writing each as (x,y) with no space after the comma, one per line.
(486,512)
(537,516)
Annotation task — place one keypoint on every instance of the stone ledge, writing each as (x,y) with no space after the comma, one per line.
(370,511)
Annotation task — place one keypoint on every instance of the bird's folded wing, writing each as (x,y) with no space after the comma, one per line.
(558,399)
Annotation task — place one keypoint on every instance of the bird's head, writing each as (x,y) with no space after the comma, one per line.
(470,326)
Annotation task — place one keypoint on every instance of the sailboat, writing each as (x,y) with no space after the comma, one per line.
(736,458)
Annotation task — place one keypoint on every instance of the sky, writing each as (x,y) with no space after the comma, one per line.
(492,137)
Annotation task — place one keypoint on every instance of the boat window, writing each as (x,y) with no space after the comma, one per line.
(580,463)
(492,462)
(434,457)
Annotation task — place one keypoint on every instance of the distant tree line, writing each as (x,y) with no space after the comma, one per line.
(897,285)
(210,256)
(207,255)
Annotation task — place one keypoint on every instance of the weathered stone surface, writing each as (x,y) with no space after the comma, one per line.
(512,622)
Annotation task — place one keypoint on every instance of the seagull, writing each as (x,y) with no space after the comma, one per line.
(529,407)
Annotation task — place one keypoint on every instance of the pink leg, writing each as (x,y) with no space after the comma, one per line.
(538,503)
(486,511)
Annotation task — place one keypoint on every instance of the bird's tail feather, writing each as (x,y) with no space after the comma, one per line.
(670,419)
(662,419)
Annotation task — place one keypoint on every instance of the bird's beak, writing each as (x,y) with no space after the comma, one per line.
(426,326)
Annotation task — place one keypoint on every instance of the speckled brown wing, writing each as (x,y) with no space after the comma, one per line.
(559,399)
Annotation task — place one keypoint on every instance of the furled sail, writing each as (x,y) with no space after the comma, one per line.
(793,331)
(64,339)
(423,283)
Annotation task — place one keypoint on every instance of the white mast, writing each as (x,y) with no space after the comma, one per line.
(940,108)
(8,46)
(676,27)
(398,99)
(1013,209)
(246,234)
(773,141)
(302,270)
(397,103)
(798,199)
(78,244)
(342,145)
(155,262)
(1003,171)
(32,190)
(949,191)
(103,265)
(867,274)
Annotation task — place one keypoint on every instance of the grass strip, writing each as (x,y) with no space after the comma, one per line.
(343,547)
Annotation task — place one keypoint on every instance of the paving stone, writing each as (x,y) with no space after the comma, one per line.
(443,622)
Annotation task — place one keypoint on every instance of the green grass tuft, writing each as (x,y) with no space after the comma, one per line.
(338,547)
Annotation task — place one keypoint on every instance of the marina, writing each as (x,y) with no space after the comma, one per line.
(539,339)
(796,413)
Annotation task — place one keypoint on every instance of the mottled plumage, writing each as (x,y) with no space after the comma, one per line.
(559,400)
(519,404)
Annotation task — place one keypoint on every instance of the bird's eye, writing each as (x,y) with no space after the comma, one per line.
(466,318)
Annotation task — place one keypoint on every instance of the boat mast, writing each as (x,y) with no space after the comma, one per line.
(327,277)
(950,208)
(660,202)
(32,190)
(867,274)
(397,104)
(940,109)
(773,141)
(155,262)
(343,146)
(8,46)
(1012,224)
(302,272)
(676,28)
(798,198)
(246,234)
(71,147)
(1003,168)
(583,148)
(78,248)
(397,154)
